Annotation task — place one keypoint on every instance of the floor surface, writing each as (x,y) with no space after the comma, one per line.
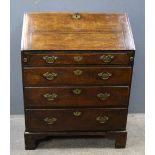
(135,141)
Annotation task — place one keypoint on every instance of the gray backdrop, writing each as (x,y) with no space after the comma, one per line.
(135,10)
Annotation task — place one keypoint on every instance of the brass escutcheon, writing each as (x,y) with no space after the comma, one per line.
(104,75)
(50,76)
(77,91)
(103,96)
(76,16)
(77,72)
(51,120)
(78,58)
(106,58)
(50,97)
(102,119)
(25,60)
(131,58)
(49,59)
(77,113)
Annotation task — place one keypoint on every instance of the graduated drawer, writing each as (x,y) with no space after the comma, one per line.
(51,58)
(76,119)
(92,96)
(48,76)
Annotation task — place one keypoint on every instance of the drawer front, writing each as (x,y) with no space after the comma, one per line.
(48,76)
(51,58)
(76,119)
(76,96)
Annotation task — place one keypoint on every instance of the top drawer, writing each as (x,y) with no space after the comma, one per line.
(52,58)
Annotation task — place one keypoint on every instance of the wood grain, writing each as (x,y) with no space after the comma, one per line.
(67,58)
(59,31)
(66,121)
(34,97)
(33,76)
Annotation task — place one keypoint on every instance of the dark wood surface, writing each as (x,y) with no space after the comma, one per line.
(60,31)
(66,121)
(68,58)
(34,97)
(33,76)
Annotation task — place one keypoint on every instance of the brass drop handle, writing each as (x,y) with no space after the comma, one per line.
(50,59)
(106,58)
(50,97)
(77,113)
(103,96)
(78,72)
(104,75)
(78,58)
(76,16)
(50,121)
(102,119)
(50,76)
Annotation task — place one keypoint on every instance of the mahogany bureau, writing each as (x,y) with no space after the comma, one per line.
(77,70)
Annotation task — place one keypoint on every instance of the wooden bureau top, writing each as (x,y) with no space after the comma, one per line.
(71,31)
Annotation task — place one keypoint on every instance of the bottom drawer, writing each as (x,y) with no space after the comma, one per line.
(90,119)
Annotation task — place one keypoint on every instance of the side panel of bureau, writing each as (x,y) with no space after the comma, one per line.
(96,119)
